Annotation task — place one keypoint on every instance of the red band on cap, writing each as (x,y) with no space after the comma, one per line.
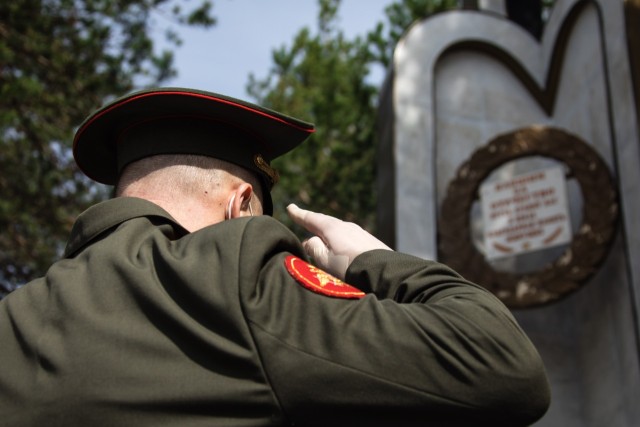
(319,281)
(192,94)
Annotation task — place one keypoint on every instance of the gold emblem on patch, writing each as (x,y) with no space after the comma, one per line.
(320,281)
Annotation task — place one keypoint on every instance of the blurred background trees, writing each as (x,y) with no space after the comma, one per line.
(60,60)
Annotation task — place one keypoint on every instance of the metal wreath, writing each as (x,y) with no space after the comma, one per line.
(589,246)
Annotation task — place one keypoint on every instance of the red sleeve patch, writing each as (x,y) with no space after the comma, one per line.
(319,281)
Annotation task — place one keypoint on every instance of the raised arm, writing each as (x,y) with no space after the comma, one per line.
(424,346)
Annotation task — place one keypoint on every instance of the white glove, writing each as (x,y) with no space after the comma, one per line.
(336,243)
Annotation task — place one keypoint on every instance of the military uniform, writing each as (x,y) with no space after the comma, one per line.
(142,323)
(145,324)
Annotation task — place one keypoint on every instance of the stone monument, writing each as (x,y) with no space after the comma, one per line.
(514,157)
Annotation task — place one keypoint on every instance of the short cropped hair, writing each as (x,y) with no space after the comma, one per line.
(183,174)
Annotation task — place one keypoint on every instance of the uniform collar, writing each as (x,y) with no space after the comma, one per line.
(103,216)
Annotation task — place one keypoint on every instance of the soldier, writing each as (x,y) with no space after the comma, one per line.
(182,302)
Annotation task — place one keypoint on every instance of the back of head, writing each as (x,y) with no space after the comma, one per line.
(197,191)
(177,121)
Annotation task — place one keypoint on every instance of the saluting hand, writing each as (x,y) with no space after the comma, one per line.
(336,243)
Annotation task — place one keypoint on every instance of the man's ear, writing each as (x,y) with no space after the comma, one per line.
(240,200)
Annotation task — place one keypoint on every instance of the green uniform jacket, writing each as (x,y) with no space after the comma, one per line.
(144,324)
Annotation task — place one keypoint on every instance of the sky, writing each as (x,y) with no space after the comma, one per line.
(221,58)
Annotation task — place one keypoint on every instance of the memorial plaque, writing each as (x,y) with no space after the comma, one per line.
(528,212)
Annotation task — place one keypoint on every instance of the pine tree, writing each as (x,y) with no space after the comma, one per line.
(59,60)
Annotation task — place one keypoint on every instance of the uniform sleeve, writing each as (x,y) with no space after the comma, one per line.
(423,347)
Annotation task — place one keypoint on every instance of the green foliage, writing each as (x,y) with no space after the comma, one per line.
(322,78)
(59,60)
